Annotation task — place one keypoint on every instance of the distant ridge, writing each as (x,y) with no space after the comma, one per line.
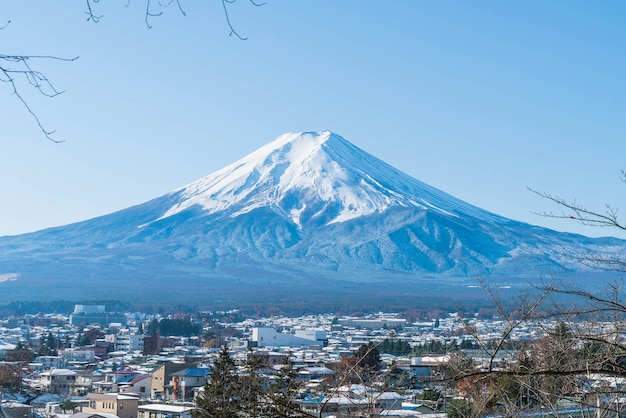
(305,208)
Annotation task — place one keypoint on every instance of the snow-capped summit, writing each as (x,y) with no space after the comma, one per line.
(306,207)
(312,175)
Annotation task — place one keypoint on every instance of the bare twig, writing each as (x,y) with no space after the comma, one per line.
(89,12)
(150,12)
(35,78)
(579,213)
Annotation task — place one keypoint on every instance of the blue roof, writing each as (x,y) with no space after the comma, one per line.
(198,372)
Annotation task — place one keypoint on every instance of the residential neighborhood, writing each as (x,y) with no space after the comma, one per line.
(54,366)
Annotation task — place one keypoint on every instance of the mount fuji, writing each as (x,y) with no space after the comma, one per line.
(304,211)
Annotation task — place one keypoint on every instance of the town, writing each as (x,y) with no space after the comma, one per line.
(133,365)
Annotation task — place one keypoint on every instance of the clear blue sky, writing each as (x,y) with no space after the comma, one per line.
(479,99)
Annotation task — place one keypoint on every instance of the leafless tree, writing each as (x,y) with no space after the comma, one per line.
(605,218)
(22,71)
(575,365)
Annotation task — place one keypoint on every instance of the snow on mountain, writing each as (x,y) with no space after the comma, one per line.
(306,206)
(299,168)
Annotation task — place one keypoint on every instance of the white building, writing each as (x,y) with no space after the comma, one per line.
(373,323)
(89,309)
(268,337)
(78,356)
(126,343)
(164,411)
(48,362)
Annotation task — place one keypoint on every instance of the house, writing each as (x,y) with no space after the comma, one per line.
(354,400)
(13,409)
(87,415)
(48,362)
(140,384)
(4,347)
(164,411)
(183,382)
(423,367)
(85,380)
(121,405)
(161,376)
(114,380)
(414,410)
(346,406)
(58,381)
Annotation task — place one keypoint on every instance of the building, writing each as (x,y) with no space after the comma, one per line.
(48,362)
(164,411)
(74,356)
(126,343)
(4,347)
(85,380)
(58,381)
(268,337)
(183,382)
(122,405)
(151,344)
(373,323)
(89,309)
(422,368)
(161,377)
(101,318)
(140,384)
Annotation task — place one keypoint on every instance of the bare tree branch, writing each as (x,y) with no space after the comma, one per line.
(582,215)
(12,67)
(37,79)
(89,12)
(151,12)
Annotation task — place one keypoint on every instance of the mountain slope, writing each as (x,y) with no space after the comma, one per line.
(307,206)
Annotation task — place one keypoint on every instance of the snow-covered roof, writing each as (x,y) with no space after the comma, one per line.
(166,408)
(59,372)
(6,346)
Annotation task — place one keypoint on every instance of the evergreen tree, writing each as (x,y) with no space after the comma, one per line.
(283,392)
(248,394)
(368,357)
(221,393)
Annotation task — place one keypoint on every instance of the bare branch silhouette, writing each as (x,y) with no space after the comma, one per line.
(574,211)
(16,67)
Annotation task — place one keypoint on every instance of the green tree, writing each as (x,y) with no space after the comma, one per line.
(368,357)
(68,406)
(220,398)
(459,408)
(247,392)
(283,392)
(48,345)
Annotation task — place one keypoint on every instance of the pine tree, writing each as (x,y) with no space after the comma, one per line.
(220,398)
(248,393)
(368,357)
(283,393)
